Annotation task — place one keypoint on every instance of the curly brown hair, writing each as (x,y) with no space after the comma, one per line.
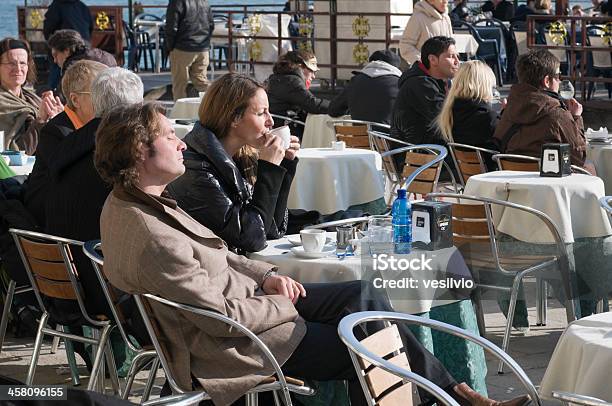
(7,44)
(120,136)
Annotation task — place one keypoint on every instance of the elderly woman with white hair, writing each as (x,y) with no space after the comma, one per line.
(76,192)
(77,112)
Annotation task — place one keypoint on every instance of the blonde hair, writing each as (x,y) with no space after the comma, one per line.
(473,81)
(79,77)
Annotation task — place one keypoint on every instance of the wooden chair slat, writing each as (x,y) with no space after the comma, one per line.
(468,157)
(55,289)
(421,188)
(50,270)
(470,228)
(382,343)
(401,396)
(427,175)
(508,165)
(470,169)
(355,130)
(42,251)
(355,141)
(419,159)
(379,380)
(469,211)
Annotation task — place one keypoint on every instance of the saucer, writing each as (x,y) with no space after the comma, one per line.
(296,241)
(300,253)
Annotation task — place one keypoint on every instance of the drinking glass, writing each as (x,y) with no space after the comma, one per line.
(495,95)
(380,234)
(566,90)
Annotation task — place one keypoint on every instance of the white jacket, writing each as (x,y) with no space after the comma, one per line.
(426,22)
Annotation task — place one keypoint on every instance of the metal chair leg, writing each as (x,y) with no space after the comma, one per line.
(138,363)
(600,306)
(277,401)
(251,399)
(151,380)
(477,303)
(112,369)
(37,346)
(541,301)
(511,309)
(55,344)
(98,364)
(6,310)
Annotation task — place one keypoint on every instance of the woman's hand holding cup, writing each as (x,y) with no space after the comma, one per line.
(294,147)
(272,150)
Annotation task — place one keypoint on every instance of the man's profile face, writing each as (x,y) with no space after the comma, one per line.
(447,63)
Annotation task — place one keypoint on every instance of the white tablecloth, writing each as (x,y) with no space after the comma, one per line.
(186,108)
(181,130)
(571,202)
(582,359)
(331,269)
(328,180)
(601,155)
(317,134)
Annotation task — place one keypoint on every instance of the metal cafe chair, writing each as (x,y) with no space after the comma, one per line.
(278,383)
(571,398)
(355,132)
(50,267)
(287,120)
(375,371)
(144,356)
(475,232)
(469,160)
(11,291)
(514,162)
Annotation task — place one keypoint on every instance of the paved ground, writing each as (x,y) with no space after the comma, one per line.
(532,352)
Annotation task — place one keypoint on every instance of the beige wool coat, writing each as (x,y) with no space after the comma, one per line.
(426,22)
(152,246)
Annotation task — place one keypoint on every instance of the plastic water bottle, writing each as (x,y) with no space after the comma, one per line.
(402,223)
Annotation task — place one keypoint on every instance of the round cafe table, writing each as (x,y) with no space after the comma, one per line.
(186,108)
(328,181)
(581,361)
(464,360)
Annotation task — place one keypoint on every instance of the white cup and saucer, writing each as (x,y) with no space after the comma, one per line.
(284,133)
(313,245)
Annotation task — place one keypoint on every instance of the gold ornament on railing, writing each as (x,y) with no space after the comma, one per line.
(36,19)
(305,26)
(254,50)
(254,24)
(102,21)
(607,34)
(305,46)
(361,27)
(557,32)
(361,53)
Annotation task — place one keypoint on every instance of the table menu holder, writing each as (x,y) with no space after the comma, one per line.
(432,225)
(555,160)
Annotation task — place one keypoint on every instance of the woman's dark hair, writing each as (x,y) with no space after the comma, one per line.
(11,43)
(291,61)
(71,40)
(435,46)
(121,133)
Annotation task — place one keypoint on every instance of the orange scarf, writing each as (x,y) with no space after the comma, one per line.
(76,121)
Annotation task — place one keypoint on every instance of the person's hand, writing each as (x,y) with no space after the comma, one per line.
(294,147)
(574,107)
(504,103)
(272,149)
(285,286)
(50,106)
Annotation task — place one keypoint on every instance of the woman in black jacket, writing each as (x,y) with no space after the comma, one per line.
(288,88)
(467,116)
(237,175)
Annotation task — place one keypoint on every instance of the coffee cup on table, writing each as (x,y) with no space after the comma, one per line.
(338,145)
(284,133)
(313,240)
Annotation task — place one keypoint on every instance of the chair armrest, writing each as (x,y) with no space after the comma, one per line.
(567,397)
(184,399)
(338,223)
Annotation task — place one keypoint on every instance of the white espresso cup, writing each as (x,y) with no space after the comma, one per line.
(313,240)
(338,145)
(284,133)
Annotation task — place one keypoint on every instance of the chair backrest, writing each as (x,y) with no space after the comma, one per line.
(92,249)
(354,135)
(471,224)
(144,302)
(382,387)
(521,42)
(380,144)
(358,350)
(513,162)
(50,267)
(561,54)
(601,59)
(427,180)
(469,160)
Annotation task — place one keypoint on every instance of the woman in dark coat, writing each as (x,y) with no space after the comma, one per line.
(288,88)
(467,116)
(238,175)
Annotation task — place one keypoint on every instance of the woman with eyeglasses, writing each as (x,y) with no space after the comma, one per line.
(22,112)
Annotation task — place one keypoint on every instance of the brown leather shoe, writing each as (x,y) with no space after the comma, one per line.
(468,396)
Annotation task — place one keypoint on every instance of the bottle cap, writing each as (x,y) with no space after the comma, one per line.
(401,193)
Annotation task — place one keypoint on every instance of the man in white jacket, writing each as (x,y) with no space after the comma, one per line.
(430,19)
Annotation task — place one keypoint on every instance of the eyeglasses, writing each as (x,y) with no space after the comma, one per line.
(15,65)
(82,92)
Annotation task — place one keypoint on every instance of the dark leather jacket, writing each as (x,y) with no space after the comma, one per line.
(214,192)
(189,25)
